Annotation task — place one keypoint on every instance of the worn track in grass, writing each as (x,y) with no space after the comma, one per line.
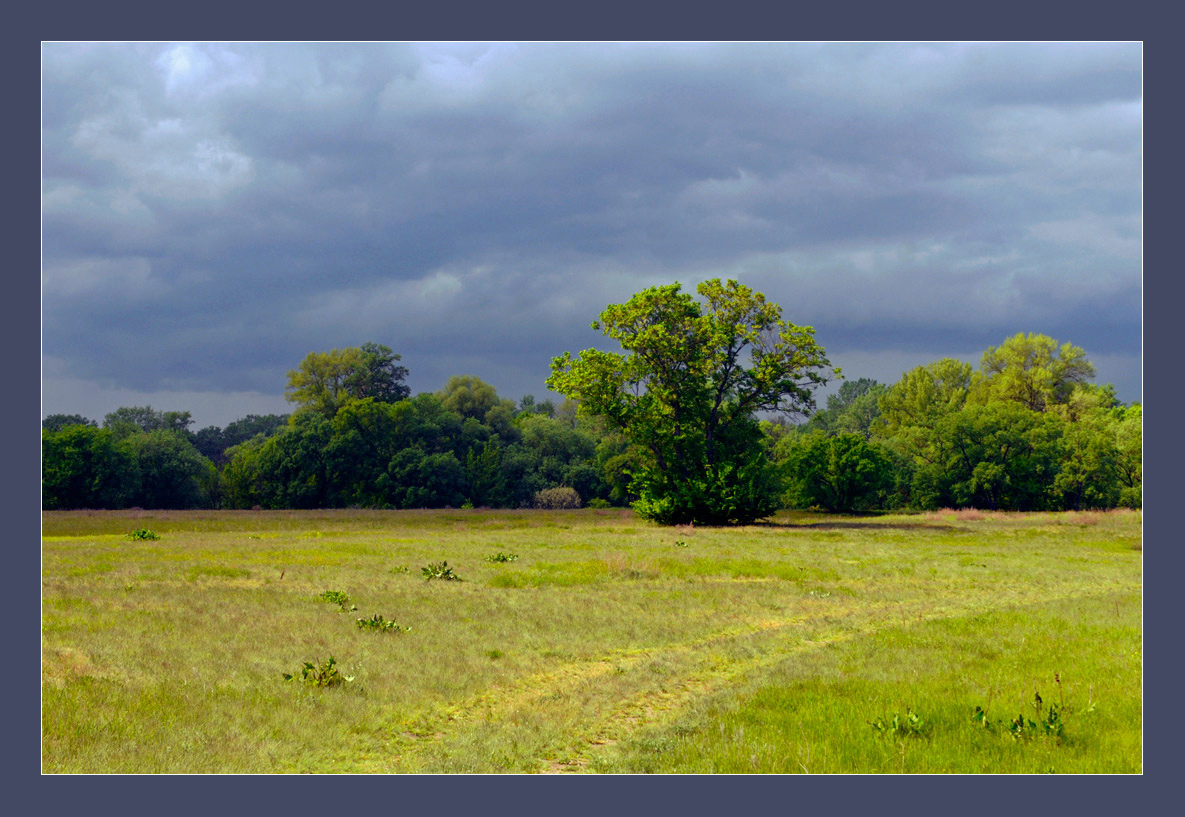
(622,693)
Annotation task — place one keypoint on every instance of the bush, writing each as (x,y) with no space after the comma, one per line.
(555,499)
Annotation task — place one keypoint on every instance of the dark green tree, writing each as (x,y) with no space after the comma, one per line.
(1000,456)
(56,422)
(85,467)
(172,474)
(126,421)
(840,473)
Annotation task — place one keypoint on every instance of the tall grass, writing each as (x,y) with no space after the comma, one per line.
(609,644)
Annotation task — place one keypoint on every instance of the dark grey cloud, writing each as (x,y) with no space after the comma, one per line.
(213,212)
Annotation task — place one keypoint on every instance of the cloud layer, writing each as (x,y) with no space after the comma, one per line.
(212,213)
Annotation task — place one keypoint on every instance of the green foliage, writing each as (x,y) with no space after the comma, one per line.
(502,557)
(910,726)
(470,396)
(671,426)
(339,597)
(378,624)
(56,422)
(999,456)
(126,421)
(86,467)
(685,397)
(840,473)
(214,442)
(439,570)
(561,498)
(324,675)
(142,534)
(324,381)
(172,474)
(1050,724)
(922,397)
(852,410)
(1032,370)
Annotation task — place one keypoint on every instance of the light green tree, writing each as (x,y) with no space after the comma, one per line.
(1032,370)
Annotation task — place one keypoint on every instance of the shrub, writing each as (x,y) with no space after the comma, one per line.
(143,533)
(380,624)
(326,675)
(339,597)
(599,504)
(554,499)
(440,570)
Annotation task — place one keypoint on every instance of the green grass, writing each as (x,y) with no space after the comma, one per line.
(608,645)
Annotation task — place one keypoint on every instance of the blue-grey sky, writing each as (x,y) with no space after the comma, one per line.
(214,212)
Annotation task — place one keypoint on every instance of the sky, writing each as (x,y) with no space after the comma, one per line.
(211,213)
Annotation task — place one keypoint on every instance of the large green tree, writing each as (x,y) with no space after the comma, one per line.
(687,390)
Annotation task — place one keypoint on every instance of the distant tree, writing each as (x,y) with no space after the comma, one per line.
(841,473)
(133,419)
(172,473)
(291,467)
(85,467)
(420,480)
(528,406)
(997,456)
(501,421)
(687,393)
(56,422)
(1087,474)
(324,381)
(1032,370)
(1129,451)
(379,376)
(252,425)
(486,484)
(468,396)
(922,397)
(851,410)
(212,442)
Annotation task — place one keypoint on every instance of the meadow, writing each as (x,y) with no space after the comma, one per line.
(590,641)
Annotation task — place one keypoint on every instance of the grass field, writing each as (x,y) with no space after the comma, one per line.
(812,643)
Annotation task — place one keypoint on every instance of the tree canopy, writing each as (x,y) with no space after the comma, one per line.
(687,392)
(324,381)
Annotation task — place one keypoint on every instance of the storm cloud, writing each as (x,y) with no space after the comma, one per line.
(214,212)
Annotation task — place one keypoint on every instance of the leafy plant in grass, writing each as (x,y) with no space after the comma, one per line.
(339,597)
(502,557)
(440,570)
(380,625)
(143,533)
(911,726)
(1051,724)
(325,675)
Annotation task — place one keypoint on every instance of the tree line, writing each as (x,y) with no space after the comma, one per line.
(708,415)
